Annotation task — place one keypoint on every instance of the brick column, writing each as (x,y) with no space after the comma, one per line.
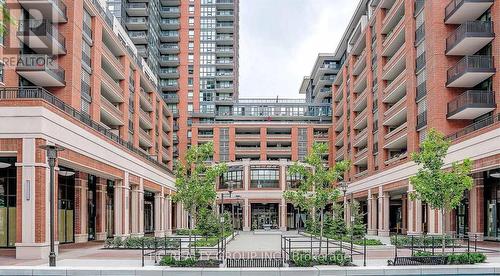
(168,227)
(158,224)
(81,207)
(141,207)
(122,208)
(246,174)
(372,214)
(383,213)
(404,214)
(134,211)
(101,194)
(414,215)
(283,215)
(246,216)
(476,208)
(435,222)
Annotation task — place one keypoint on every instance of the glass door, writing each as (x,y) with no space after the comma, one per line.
(110,210)
(148,217)
(8,193)
(91,205)
(66,219)
(462,218)
(265,216)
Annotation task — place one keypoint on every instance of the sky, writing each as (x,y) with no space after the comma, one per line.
(280,40)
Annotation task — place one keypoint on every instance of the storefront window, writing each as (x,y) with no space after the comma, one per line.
(264,178)
(8,182)
(235,177)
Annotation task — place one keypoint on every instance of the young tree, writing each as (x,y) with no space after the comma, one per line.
(316,189)
(195,180)
(440,189)
(358,227)
(6,19)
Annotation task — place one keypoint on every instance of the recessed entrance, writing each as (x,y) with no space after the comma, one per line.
(265,216)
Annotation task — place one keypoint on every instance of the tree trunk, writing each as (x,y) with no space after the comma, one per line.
(321,230)
(443,223)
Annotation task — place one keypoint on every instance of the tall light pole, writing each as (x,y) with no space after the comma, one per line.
(52,151)
(343,187)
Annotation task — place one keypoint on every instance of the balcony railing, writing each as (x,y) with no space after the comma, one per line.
(473,99)
(421,120)
(488,121)
(419,5)
(420,62)
(13,93)
(469,29)
(421,91)
(41,28)
(470,64)
(419,34)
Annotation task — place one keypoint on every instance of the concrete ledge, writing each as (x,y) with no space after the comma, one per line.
(483,269)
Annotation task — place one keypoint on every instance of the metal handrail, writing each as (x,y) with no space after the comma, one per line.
(469,62)
(475,27)
(471,97)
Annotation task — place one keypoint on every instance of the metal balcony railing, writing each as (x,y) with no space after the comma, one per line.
(470,64)
(473,99)
(41,28)
(421,91)
(469,29)
(421,120)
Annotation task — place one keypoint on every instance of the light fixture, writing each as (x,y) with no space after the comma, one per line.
(495,174)
(4,165)
(66,173)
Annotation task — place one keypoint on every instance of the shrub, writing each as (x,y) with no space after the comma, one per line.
(466,258)
(304,259)
(207,223)
(421,241)
(171,261)
(117,242)
(185,232)
(207,242)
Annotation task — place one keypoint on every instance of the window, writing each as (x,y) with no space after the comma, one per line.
(190,82)
(190,95)
(191,22)
(264,178)
(190,107)
(191,9)
(1,73)
(190,69)
(191,46)
(190,57)
(293,180)
(191,34)
(236,177)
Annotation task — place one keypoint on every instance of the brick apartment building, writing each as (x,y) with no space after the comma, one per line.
(72,77)
(407,67)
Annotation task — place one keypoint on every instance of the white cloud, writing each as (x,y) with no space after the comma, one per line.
(280,39)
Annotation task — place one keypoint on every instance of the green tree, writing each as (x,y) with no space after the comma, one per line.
(195,181)
(207,223)
(316,188)
(338,228)
(6,20)
(441,189)
(358,227)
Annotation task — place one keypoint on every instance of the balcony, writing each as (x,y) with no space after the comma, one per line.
(41,70)
(279,137)
(339,110)
(111,88)
(41,36)
(248,136)
(111,64)
(421,120)
(137,9)
(227,51)
(225,15)
(169,60)
(361,157)
(394,40)
(171,99)
(169,36)
(339,94)
(397,138)
(136,23)
(396,89)
(224,100)
(396,114)
(339,154)
(203,113)
(339,125)
(224,76)
(145,101)
(225,39)
(395,65)
(169,86)
(225,27)
(361,120)
(339,139)
(361,138)
(170,24)
(111,115)
(361,82)
(471,104)
(138,37)
(169,49)
(360,102)
(393,17)
(145,139)
(469,38)
(461,11)
(421,91)
(470,71)
(397,157)
(168,73)
(224,4)
(54,10)
(360,64)
(145,120)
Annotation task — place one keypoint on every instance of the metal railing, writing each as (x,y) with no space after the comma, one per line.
(419,34)
(420,62)
(488,121)
(13,93)
(421,91)
(31,63)
(472,98)
(421,120)
(469,28)
(470,63)
(41,28)
(419,5)
(316,246)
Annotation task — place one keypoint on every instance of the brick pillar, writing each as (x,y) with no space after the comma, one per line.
(81,207)
(168,222)
(404,214)
(383,213)
(101,194)
(134,211)
(246,174)
(414,215)
(476,208)
(141,207)
(372,214)
(283,210)
(158,224)
(435,222)
(246,216)
(122,208)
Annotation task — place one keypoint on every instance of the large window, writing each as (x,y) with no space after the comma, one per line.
(235,177)
(293,180)
(8,182)
(265,177)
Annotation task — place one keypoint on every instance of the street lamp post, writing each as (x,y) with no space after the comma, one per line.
(52,151)
(230,191)
(343,186)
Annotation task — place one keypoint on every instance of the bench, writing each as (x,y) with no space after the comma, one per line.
(418,260)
